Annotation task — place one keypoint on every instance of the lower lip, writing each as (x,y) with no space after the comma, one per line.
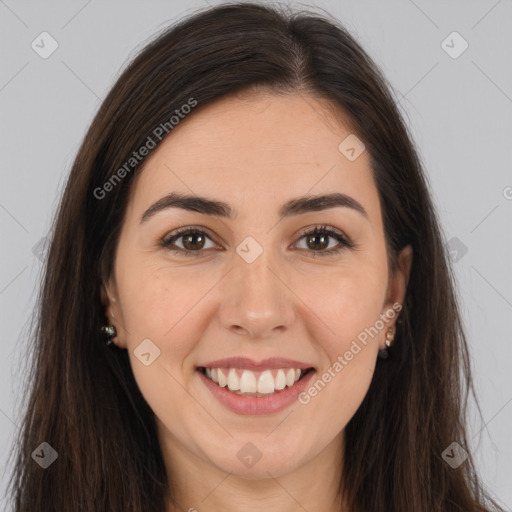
(239,404)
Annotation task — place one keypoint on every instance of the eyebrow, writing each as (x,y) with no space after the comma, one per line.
(292,207)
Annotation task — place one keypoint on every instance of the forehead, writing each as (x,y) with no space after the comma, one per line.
(261,146)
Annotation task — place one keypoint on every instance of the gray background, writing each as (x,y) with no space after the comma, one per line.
(459,111)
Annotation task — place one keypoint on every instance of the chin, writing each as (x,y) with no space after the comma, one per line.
(259,457)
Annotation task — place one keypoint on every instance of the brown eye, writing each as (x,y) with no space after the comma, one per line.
(192,241)
(318,240)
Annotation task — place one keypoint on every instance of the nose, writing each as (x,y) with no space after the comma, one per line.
(257,302)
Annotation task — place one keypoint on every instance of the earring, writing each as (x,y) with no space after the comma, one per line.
(110,332)
(384,353)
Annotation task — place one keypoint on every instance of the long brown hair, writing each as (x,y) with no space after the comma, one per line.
(82,398)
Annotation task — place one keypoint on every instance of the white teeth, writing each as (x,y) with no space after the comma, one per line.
(247,382)
(265,384)
(290,377)
(222,378)
(233,380)
(280,380)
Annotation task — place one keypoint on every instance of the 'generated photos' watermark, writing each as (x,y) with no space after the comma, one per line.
(137,156)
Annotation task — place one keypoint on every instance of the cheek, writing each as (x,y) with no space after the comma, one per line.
(163,307)
(349,304)
(350,350)
(346,300)
(158,303)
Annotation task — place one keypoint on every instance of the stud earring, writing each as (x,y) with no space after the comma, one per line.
(110,332)
(384,353)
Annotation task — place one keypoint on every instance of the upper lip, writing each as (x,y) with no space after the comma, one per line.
(249,364)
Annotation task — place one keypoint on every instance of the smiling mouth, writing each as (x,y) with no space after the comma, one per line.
(257,384)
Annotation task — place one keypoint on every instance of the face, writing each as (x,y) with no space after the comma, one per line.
(255,284)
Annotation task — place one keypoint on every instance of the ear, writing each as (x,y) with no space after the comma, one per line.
(108,300)
(397,288)
(112,311)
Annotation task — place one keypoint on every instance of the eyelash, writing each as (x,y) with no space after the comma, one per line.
(344,242)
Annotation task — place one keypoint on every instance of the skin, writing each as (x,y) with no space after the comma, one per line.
(253,152)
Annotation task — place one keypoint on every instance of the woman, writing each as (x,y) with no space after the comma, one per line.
(248,224)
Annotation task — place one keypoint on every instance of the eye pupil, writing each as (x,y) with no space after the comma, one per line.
(187,241)
(324,239)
